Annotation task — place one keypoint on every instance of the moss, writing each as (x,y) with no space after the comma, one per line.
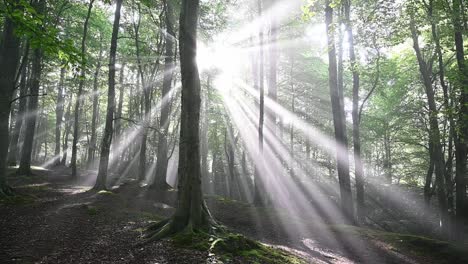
(440,251)
(92,211)
(227,246)
(105,192)
(18,199)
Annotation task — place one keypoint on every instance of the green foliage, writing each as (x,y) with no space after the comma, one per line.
(32,23)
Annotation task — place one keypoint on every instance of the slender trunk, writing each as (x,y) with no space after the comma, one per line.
(259,198)
(358,167)
(204,140)
(462,136)
(338,121)
(430,172)
(146,103)
(14,141)
(59,108)
(9,60)
(440,60)
(36,70)
(93,140)
(293,109)
(434,133)
(273,65)
(79,99)
(161,163)
(67,132)
(107,137)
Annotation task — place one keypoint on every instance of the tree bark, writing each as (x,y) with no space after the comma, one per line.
(79,99)
(108,129)
(9,60)
(434,133)
(462,136)
(67,132)
(191,213)
(59,109)
(358,167)
(36,70)
(93,140)
(338,121)
(22,104)
(161,162)
(259,198)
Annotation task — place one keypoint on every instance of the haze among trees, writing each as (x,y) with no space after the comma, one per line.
(236,131)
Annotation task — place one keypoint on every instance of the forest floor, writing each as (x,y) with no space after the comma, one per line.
(54,221)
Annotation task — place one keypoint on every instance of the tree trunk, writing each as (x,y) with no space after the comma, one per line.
(14,141)
(462,137)
(339,121)
(67,131)
(434,133)
(9,59)
(59,108)
(259,198)
(79,99)
(191,213)
(107,137)
(93,140)
(146,104)
(36,70)
(428,180)
(358,167)
(273,65)
(161,163)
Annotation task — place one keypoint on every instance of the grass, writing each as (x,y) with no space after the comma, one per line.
(18,199)
(440,251)
(229,245)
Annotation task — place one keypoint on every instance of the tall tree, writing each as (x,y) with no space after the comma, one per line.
(22,104)
(339,121)
(59,109)
(358,167)
(146,101)
(462,141)
(93,140)
(259,198)
(162,159)
(9,60)
(79,95)
(107,137)
(434,132)
(192,212)
(36,71)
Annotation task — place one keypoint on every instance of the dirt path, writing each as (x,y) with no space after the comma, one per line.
(67,224)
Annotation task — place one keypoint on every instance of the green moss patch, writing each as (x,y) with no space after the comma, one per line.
(92,211)
(227,246)
(18,199)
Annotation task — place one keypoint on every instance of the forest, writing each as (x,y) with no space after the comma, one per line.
(234,131)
